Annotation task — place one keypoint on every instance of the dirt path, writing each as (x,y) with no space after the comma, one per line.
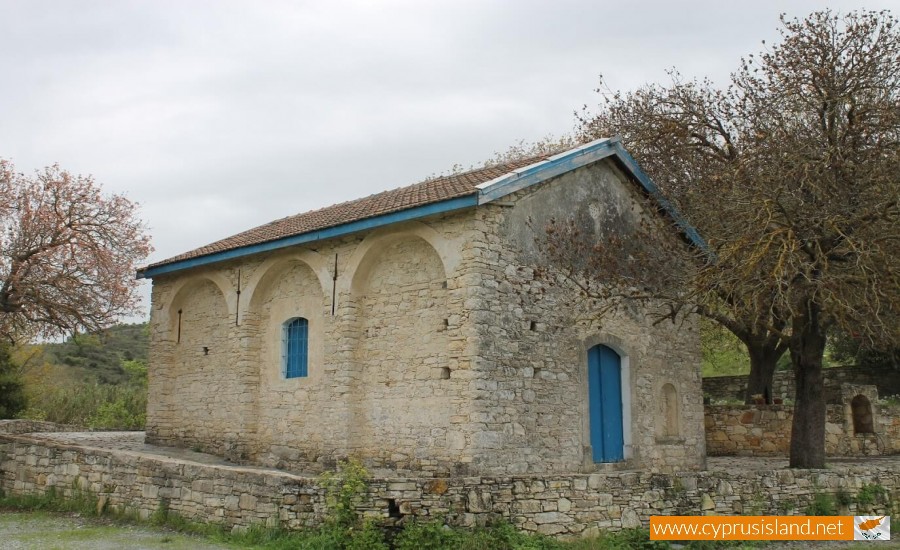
(38,531)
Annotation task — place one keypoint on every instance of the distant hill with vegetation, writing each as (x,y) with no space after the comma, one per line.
(102,355)
(96,380)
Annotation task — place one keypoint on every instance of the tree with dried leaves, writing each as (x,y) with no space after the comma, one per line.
(792,176)
(68,254)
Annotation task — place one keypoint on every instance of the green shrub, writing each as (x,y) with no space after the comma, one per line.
(344,490)
(503,536)
(822,504)
(870,494)
(367,537)
(117,416)
(92,405)
(843,498)
(12,393)
(431,535)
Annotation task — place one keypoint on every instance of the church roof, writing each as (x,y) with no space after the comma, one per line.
(432,196)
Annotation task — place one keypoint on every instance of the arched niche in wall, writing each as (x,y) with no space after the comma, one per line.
(281,289)
(398,287)
(256,287)
(368,252)
(200,299)
(670,412)
(861,410)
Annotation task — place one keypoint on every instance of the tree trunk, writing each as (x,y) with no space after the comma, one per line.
(762,372)
(808,429)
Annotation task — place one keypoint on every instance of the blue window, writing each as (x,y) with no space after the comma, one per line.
(296,345)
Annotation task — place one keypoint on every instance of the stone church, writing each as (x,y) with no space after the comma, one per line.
(402,329)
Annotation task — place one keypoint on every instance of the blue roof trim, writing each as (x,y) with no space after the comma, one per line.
(576,158)
(689,231)
(485,193)
(414,213)
(542,171)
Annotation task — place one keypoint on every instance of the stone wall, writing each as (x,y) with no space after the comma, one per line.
(387,361)
(560,505)
(30,426)
(534,341)
(441,353)
(886,379)
(765,430)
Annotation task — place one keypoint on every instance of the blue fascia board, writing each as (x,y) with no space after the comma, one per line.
(414,213)
(632,166)
(584,155)
(543,171)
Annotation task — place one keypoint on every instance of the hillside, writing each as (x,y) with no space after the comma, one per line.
(100,356)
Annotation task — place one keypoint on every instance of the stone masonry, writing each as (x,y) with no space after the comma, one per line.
(201,488)
(765,430)
(441,352)
(884,377)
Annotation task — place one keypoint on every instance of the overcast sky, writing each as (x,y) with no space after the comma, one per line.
(217,116)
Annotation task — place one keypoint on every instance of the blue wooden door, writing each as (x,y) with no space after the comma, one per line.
(605,404)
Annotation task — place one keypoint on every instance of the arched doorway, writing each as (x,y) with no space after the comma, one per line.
(605,404)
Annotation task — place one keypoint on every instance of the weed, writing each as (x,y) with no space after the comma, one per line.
(344,490)
(822,504)
(621,540)
(432,535)
(367,537)
(891,400)
(161,515)
(870,494)
(843,498)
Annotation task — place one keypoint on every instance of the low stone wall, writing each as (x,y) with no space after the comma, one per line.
(734,387)
(765,430)
(559,505)
(31,426)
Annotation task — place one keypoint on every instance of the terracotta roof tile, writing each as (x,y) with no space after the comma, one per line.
(395,200)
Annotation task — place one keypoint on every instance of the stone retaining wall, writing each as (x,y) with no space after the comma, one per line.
(559,505)
(733,387)
(30,426)
(765,430)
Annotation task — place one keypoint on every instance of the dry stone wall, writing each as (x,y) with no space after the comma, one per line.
(885,378)
(765,430)
(560,505)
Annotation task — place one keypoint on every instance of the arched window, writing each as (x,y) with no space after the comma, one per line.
(295,346)
(861,409)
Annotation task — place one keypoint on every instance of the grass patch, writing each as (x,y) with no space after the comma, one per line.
(357,535)
(822,504)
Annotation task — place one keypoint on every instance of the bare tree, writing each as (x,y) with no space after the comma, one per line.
(68,253)
(791,175)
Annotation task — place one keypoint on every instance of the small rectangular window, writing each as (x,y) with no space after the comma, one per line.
(296,348)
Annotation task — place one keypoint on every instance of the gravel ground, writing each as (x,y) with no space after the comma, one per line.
(38,531)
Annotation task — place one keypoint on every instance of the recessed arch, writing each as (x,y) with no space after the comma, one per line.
(267,273)
(185,287)
(367,252)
